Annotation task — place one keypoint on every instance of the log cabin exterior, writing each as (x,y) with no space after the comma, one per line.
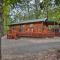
(31,28)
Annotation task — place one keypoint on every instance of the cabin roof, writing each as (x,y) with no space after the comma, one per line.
(29,21)
(33,21)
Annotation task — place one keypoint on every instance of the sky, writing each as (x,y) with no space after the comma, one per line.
(41,0)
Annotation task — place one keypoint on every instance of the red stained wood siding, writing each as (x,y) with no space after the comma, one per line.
(34,29)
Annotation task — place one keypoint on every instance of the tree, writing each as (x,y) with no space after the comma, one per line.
(57,2)
(1,22)
(7,4)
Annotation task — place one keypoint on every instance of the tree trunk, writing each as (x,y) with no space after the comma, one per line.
(36,6)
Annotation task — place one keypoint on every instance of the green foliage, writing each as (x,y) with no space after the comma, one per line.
(57,2)
(53,14)
(9,2)
(6,9)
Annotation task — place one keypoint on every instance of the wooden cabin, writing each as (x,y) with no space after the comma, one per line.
(31,28)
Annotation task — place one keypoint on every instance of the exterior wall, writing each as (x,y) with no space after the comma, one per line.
(17,28)
(27,28)
(39,29)
(34,27)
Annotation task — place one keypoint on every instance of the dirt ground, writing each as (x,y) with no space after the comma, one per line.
(30,49)
(51,54)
